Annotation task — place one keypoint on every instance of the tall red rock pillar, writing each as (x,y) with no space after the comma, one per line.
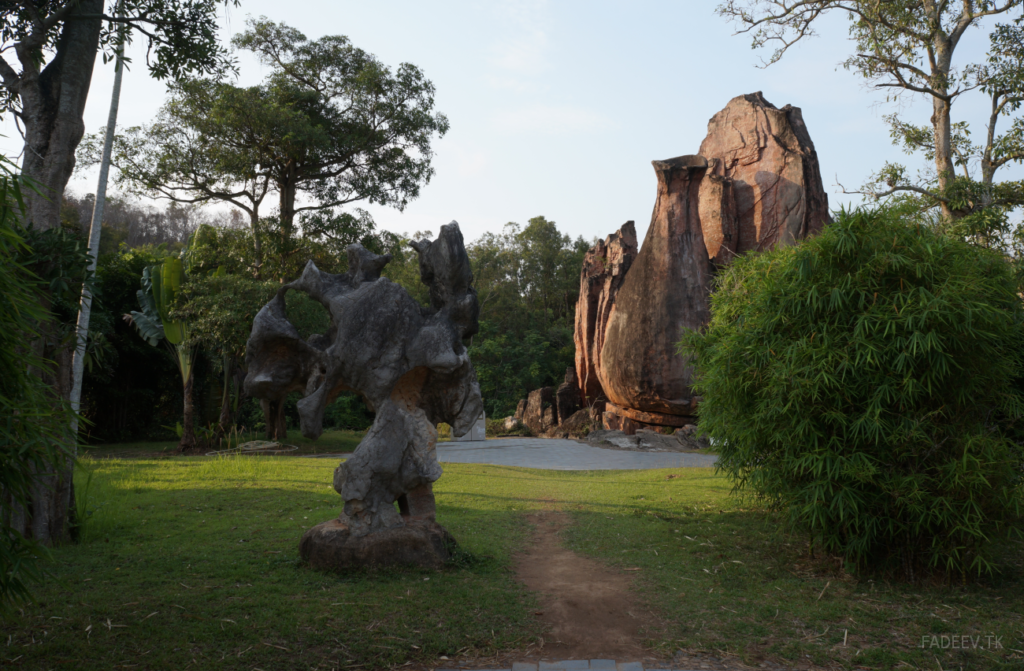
(665,291)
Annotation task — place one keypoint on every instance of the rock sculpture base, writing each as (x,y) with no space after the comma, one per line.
(330,546)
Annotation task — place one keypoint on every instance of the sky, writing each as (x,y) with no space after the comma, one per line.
(558,107)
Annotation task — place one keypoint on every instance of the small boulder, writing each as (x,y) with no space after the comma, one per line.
(521,410)
(612,438)
(567,398)
(540,410)
(644,440)
(579,425)
(691,438)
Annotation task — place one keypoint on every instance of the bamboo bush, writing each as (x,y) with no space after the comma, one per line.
(862,382)
(34,423)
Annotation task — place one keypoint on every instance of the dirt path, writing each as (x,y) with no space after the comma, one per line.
(588,606)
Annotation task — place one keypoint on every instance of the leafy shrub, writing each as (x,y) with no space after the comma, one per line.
(862,382)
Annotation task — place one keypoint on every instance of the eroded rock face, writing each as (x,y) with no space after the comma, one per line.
(763,156)
(409,363)
(604,269)
(755,184)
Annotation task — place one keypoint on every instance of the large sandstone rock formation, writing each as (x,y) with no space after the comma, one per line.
(541,413)
(409,363)
(567,397)
(604,269)
(755,184)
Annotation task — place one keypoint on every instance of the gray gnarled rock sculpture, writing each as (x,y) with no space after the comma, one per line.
(409,363)
(755,184)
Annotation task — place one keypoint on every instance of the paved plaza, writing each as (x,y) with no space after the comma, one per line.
(556,455)
(562,455)
(710,664)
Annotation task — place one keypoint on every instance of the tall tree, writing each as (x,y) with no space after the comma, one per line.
(330,126)
(55,43)
(908,46)
(202,148)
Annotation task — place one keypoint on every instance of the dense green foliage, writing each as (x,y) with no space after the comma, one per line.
(33,424)
(528,281)
(862,381)
(132,390)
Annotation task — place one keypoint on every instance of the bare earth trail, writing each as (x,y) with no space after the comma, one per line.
(591,612)
(588,607)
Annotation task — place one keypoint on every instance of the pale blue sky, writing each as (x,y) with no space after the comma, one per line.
(558,107)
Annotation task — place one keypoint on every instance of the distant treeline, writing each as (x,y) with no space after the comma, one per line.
(527,278)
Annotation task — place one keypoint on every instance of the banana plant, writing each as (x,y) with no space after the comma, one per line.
(160,285)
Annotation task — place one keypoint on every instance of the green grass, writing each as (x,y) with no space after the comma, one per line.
(331,442)
(196,559)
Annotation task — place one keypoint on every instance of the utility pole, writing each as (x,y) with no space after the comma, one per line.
(85,311)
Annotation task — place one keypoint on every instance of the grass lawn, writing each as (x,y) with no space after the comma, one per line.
(192,563)
(331,442)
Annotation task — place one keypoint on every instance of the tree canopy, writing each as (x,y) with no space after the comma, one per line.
(331,125)
(910,47)
(528,281)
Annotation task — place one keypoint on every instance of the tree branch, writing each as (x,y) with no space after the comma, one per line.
(901,187)
(11,79)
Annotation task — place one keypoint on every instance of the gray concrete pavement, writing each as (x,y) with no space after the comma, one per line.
(562,455)
(704,664)
(555,455)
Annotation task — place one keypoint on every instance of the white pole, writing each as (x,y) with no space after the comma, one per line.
(78,365)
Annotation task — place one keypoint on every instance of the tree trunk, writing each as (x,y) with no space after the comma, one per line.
(257,246)
(943,151)
(53,102)
(273,413)
(224,423)
(941,124)
(188,432)
(46,517)
(287,189)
